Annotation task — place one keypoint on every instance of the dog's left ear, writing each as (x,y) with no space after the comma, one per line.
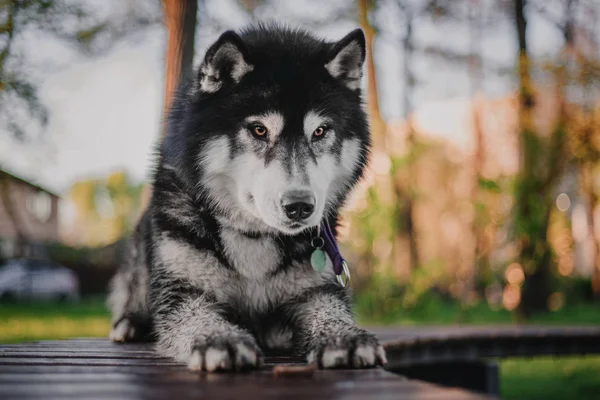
(226,62)
(347,58)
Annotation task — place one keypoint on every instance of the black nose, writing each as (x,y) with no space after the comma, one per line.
(298,204)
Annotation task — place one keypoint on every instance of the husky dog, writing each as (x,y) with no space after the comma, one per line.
(262,147)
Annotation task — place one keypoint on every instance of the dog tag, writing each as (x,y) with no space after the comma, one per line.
(318,260)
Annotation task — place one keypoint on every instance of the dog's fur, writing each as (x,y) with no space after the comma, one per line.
(217,270)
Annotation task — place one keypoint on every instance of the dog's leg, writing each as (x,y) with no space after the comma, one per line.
(127,300)
(328,334)
(191,329)
(128,295)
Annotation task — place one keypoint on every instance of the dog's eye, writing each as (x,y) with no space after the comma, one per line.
(319,133)
(259,131)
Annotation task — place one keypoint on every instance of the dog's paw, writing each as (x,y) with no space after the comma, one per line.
(226,354)
(123,331)
(356,350)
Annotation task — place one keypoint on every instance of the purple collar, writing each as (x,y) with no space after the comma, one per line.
(333,251)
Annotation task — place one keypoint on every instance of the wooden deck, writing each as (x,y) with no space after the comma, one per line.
(99,369)
(408,346)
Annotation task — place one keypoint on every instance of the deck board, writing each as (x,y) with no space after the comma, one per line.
(98,369)
(408,346)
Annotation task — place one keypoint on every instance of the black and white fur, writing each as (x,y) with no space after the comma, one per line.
(218,270)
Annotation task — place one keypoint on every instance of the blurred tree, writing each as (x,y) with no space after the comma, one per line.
(468,12)
(461,12)
(404,185)
(587,154)
(76,23)
(543,161)
(378,130)
(481,262)
(378,126)
(21,110)
(180,19)
(585,130)
(531,211)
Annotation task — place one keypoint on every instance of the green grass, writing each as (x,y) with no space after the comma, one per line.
(544,378)
(433,312)
(45,321)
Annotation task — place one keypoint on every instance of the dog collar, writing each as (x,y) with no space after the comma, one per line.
(326,245)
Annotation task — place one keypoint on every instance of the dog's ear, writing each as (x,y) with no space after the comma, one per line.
(226,62)
(347,58)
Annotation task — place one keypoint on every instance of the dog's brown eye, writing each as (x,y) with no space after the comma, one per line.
(259,130)
(319,132)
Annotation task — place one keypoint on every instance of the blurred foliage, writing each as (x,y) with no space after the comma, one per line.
(105,210)
(71,22)
(482,234)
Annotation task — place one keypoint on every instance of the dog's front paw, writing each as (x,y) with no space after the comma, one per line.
(355,350)
(234,353)
(123,331)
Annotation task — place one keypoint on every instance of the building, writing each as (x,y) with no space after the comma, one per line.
(28,217)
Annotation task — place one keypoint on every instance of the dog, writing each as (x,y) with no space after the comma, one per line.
(263,145)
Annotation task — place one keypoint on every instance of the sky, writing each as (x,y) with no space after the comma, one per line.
(105,112)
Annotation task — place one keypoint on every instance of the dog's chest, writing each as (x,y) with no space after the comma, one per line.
(252,258)
(263,281)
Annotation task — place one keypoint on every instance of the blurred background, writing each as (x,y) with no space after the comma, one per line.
(481,203)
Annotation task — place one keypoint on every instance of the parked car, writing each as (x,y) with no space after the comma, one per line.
(32,279)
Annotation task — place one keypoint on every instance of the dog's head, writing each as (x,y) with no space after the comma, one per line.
(273,126)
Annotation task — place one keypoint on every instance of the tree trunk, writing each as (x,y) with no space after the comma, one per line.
(590,160)
(405,195)
(481,260)
(180,18)
(532,206)
(480,268)
(539,171)
(377,124)
(592,200)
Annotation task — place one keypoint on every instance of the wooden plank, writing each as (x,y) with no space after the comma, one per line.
(82,361)
(325,384)
(407,346)
(28,353)
(99,369)
(77,369)
(96,368)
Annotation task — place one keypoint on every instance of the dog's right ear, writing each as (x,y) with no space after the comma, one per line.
(225,62)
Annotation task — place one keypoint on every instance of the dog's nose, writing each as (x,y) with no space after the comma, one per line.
(298,204)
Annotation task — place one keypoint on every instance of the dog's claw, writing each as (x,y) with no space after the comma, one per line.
(360,350)
(122,332)
(225,355)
